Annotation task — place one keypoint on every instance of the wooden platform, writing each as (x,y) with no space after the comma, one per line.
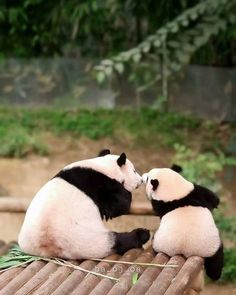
(41,278)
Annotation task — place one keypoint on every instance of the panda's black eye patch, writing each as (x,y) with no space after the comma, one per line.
(154,183)
(123,182)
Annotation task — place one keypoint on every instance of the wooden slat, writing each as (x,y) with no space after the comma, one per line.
(117,270)
(148,276)
(41,278)
(54,281)
(141,208)
(73,280)
(9,275)
(185,276)
(14,204)
(125,283)
(22,278)
(38,279)
(90,281)
(166,276)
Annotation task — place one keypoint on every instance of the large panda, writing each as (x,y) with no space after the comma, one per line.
(187,226)
(65,217)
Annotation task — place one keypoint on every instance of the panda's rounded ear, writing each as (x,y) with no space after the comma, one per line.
(154,183)
(121,160)
(176,168)
(104,153)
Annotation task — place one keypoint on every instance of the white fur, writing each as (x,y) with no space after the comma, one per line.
(188,231)
(172,186)
(63,221)
(108,166)
(62,216)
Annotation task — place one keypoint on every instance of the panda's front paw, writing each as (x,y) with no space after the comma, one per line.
(142,236)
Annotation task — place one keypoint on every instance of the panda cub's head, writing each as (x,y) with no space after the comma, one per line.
(165,184)
(168,190)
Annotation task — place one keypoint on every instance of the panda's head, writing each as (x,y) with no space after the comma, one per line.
(119,168)
(165,184)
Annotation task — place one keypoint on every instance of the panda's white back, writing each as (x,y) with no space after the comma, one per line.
(189,231)
(59,222)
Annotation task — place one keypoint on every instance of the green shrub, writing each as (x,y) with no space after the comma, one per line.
(229,270)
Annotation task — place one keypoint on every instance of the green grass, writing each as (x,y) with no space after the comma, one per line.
(229,270)
(21,129)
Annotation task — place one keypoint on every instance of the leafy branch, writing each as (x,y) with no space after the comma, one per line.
(172,46)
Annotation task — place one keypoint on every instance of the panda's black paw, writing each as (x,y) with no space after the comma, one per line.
(142,236)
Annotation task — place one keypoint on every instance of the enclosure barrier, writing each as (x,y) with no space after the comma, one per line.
(20,205)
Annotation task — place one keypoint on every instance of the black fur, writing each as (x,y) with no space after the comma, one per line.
(199,196)
(214,264)
(104,153)
(108,194)
(154,183)
(176,168)
(134,239)
(121,160)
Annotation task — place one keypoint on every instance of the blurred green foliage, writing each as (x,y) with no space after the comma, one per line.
(229,270)
(94,27)
(163,53)
(202,167)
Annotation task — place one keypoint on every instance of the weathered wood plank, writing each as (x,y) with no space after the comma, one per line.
(20,205)
(148,276)
(54,280)
(74,279)
(9,275)
(166,276)
(125,283)
(117,270)
(184,278)
(90,281)
(38,279)
(22,278)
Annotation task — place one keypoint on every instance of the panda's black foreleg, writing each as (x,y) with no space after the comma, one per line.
(214,264)
(128,240)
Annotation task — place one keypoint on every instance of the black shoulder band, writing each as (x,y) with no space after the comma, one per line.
(108,194)
(199,196)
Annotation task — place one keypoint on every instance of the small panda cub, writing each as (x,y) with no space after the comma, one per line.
(65,217)
(187,226)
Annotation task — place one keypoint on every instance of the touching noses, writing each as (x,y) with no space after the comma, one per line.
(144,178)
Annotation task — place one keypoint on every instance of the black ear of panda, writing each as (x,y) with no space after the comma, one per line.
(176,168)
(121,160)
(104,153)
(154,183)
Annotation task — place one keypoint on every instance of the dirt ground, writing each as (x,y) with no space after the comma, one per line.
(24,177)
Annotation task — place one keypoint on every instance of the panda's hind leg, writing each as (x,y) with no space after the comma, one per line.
(214,264)
(128,240)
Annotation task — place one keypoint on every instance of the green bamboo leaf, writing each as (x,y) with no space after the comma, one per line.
(108,71)
(107,62)
(119,68)
(136,57)
(146,48)
(101,77)
(157,43)
(134,278)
